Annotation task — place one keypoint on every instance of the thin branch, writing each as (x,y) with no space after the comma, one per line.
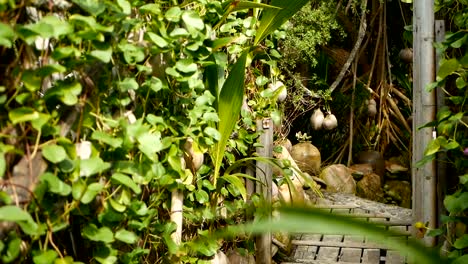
(352,55)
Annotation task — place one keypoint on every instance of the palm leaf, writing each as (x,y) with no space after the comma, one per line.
(229,107)
(272,19)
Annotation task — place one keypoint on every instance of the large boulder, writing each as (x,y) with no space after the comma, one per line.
(369,187)
(307,157)
(339,179)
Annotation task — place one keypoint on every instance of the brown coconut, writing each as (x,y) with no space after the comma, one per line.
(369,187)
(339,179)
(307,157)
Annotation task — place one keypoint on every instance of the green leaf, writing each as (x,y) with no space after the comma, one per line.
(125,6)
(432,147)
(150,143)
(229,106)
(104,55)
(186,66)
(60,53)
(31,80)
(59,27)
(107,139)
(202,196)
(78,189)
(237,183)
(212,132)
(45,257)
(173,14)
(126,236)
(2,164)
(456,203)
(13,250)
(128,84)
(93,166)
(156,39)
(22,114)
(126,181)
(240,5)
(272,19)
(54,153)
(464,179)
(7,35)
(103,234)
(447,68)
(65,91)
(132,54)
(155,9)
(94,7)
(461,260)
(117,206)
(461,242)
(91,192)
(55,184)
(22,218)
(192,19)
(41,121)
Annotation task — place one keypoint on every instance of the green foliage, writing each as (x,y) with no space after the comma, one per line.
(107,94)
(311,27)
(452,127)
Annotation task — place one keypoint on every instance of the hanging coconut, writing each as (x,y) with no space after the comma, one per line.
(316,119)
(406,55)
(371,108)
(330,122)
(283,93)
(307,157)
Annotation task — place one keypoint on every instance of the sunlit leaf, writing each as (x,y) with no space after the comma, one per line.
(94,7)
(55,184)
(22,218)
(192,19)
(448,67)
(45,257)
(107,139)
(22,114)
(103,234)
(54,153)
(126,236)
(237,183)
(7,35)
(91,192)
(229,106)
(92,166)
(126,181)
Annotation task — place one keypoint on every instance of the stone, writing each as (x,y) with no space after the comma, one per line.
(375,159)
(220,258)
(370,187)
(339,179)
(307,157)
(235,257)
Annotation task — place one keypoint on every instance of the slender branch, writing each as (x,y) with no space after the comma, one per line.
(352,55)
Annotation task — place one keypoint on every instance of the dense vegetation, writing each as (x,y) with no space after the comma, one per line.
(122,117)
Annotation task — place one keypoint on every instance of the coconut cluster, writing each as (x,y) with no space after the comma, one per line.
(318,120)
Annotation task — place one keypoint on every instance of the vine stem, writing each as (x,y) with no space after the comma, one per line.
(352,55)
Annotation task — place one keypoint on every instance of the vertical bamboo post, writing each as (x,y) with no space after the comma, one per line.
(263,187)
(441,157)
(424,106)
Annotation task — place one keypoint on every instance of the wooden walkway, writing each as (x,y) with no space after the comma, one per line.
(327,249)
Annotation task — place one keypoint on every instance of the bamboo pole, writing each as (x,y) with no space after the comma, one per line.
(263,187)
(424,106)
(442,156)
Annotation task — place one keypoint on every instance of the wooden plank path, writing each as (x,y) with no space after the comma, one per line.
(351,249)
